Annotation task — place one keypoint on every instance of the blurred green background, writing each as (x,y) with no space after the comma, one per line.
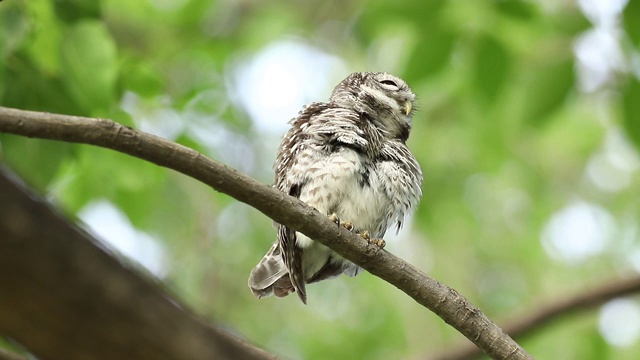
(528,130)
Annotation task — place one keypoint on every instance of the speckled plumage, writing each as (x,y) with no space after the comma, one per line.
(346,157)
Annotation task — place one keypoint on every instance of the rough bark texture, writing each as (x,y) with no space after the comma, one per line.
(442,300)
(65,297)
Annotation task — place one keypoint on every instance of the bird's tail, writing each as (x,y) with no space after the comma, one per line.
(270,276)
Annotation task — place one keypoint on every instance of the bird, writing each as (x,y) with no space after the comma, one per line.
(349,160)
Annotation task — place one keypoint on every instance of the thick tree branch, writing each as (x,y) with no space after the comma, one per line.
(452,307)
(555,310)
(6,355)
(66,297)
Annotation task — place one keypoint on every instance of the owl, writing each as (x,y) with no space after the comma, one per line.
(347,158)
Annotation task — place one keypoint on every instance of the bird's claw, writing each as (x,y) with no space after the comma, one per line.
(348,225)
(365,234)
(345,224)
(378,242)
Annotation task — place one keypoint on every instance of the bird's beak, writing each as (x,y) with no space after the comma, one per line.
(407,107)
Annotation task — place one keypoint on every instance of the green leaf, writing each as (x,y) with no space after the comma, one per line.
(435,41)
(89,64)
(431,53)
(631,21)
(141,78)
(522,10)
(45,37)
(34,159)
(14,27)
(631,111)
(571,24)
(548,90)
(74,10)
(423,14)
(131,184)
(492,67)
(51,94)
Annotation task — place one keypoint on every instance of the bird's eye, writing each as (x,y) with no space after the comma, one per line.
(390,83)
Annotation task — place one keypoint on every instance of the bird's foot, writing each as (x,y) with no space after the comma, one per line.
(345,224)
(334,217)
(365,234)
(378,242)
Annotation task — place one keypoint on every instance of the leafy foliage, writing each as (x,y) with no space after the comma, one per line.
(508,138)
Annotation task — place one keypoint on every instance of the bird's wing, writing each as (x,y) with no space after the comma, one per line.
(292,257)
(318,127)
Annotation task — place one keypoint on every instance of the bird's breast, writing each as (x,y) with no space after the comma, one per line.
(346,183)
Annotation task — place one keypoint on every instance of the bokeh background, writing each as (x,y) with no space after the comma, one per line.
(528,130)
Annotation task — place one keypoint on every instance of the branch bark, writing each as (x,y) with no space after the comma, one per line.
(7,355)
(452,307)
(66,297)
(534,321)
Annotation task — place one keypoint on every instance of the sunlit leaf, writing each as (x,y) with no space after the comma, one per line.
(46,37)
(89,64)
(548,90)
(570,22)
(631,111)
(631,21)
(141,78)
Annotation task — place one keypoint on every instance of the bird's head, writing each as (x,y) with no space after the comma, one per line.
(384,99)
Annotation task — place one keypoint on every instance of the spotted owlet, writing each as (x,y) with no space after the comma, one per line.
(348,159)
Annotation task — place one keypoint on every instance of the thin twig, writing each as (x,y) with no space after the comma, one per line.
(533,321)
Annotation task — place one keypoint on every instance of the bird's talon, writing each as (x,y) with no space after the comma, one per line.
(378,242)
(334,217)
(347,225)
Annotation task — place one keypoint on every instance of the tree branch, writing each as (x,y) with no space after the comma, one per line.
(64,296)
(452,307)
(7,355)
(531,322)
